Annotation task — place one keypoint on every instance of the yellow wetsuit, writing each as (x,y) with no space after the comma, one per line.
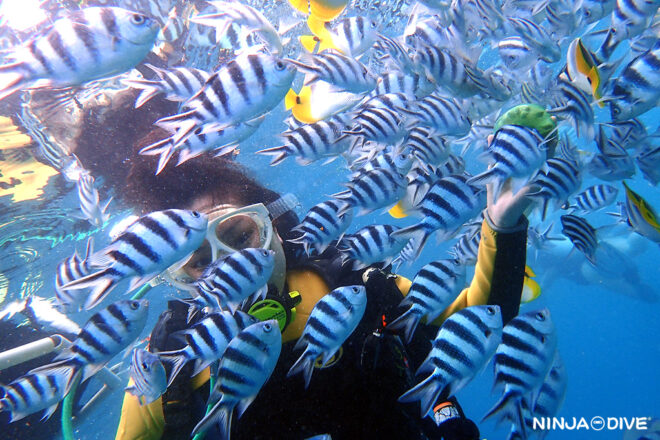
(498,279)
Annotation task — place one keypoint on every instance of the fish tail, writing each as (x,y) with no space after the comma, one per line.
(221,415)
(101,282)
(427,392)
(66,367)
(484,178)
(406,322)
(177,359)
(418,233)
(280,154)
(11,79)
(304,364)
(508,407)
(148,88)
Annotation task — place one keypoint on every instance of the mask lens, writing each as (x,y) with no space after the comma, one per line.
(239,232)
(199,260)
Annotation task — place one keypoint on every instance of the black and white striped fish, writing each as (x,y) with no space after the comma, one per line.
(246,365)
(648,161)
(322,225)
(330,323)
(443,115)
(148,375)
(379,124)
(177,84)
(415,85)
(448,204)
(371,244)
(637,89)
(341,71)
(466,249)
(515,151)
(434,287)
(516,54)
(522,361)
(352,36)
(629,19)
(232,279)
(246,87)
(150,245)
(312,142)
(581,234)
(373,189)
(594,198)
(90,205)
(464,344)
(83,45)
(612,162)
(573,102)
(394,54)
(208,137)
(394,160)
(206,341)
(429,148)
(557,180)
(71,269)
(537,37)
(34,392)
(104,335)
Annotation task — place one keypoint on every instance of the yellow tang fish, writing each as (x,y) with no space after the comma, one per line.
(641,216)
(583,70)
(325,10)
(531,289)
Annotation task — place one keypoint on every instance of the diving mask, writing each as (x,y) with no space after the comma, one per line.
(230,230)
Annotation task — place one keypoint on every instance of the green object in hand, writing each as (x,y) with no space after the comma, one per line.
(533,116)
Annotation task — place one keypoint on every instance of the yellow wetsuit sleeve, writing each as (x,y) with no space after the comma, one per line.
(498,275)
(140,422)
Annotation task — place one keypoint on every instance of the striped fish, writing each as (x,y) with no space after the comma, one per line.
(581,234)
(81,46)
(466,249)
(448,204)
(434,287)
(34,392)
(148,375)
(371,244)
(311,142)
(231,279)
(648,162)
(537,37)
(330,323)
(72,268)
(594,198)
(629,134)
(380,125)
(208,137)
(246,87)
(322,225)
(395,54)
(637,89)
(177,84)
(393,160)
(429,148)
(442,115)
(515,151)
(415,85)
(556,181)
(352,36)
(90,204)
(373,189)
(206,341)
(592,11)
(150,245)
(246,365)
(612,162)
(343,72)
(641,216)
(522,361)
(464,344)
(629,19)
(104,335)
(230,12)
(236,38)
(574,103)
(516,54)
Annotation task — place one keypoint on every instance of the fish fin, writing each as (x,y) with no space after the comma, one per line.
(200,365)
(320,29)
(137,282)
(220,415)
(418,233)
(177,359)
(11,79)
(304,364)
(280,154)
(310,43)
(157,147)
(49,411)
(427,392)
(148,89)
(101,283)
(243,405)
(66,367)
(508,406)
(406,322)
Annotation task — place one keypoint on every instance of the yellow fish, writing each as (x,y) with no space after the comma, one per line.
(531,289)
(318,101)
(398,210)
(641,216)
(325,10)
(583,70)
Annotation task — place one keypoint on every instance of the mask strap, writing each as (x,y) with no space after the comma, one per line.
(281,206)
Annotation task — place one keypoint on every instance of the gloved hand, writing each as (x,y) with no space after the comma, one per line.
(452,423)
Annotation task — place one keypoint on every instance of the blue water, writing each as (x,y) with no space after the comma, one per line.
(607,338)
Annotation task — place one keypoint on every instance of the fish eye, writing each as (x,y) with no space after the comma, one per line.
(264,252)
(279,65)
(373,24)
(195,214)
(587,13)
(145,366)
(540,316)
(490,310)
(613,30)
(134,305)
(138,19)
(267,327)
(355,289)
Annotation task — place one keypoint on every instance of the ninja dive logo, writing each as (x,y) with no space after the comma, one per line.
(595,424)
